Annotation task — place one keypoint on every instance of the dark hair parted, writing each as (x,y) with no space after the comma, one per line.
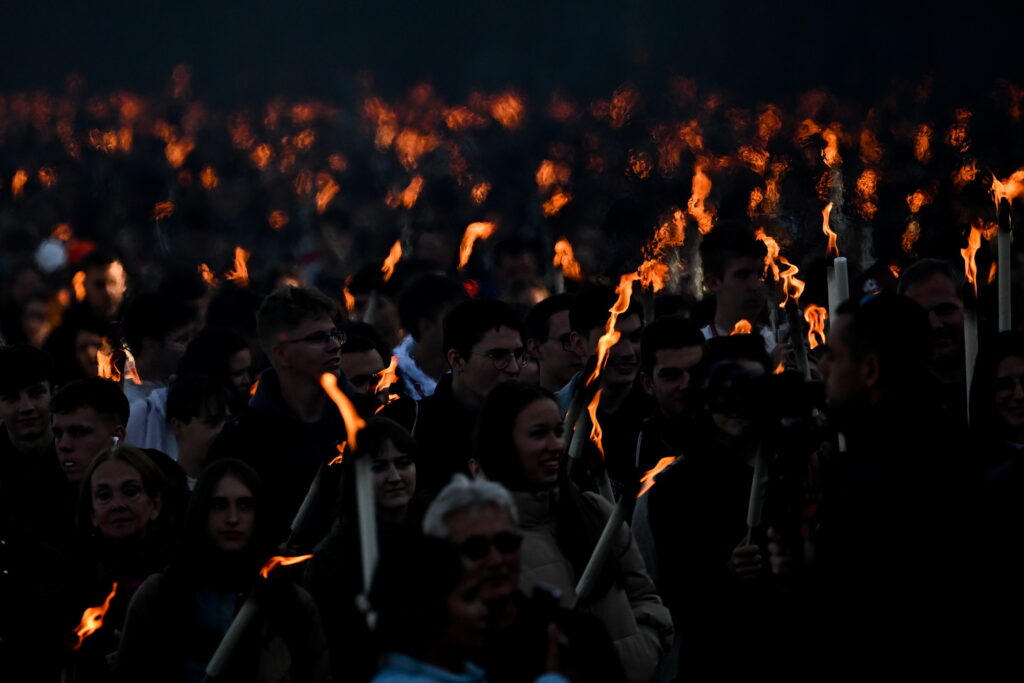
(197,544)
(102,395)
(728,241)
(669,332)
(538,319)
(468,322)
(22,366)
(925,269)
(286,308)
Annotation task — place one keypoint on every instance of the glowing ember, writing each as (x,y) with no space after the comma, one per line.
(18,182)
(240,274)
(922,143)
(474,232)
(480,192)
(387,376)
(970,264)
(388,269)
(105,362)
(566,260)
(742,327)
(595,426)
(700,189)
(208,178)
(611,336)
(353,423)
(78,283)
(280,561)
(277,219)
(208,277)
(833,248)
(647,481)
(815,317)
(771,258)
(92,619)
(62,232)
(554,204)
(326,190)
(162,210)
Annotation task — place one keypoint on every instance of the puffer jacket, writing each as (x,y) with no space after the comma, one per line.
(638,624)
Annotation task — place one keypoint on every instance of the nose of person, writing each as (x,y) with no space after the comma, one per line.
(232,516)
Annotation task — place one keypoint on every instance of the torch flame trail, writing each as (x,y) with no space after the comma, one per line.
(772,257)
(833,246)
(78,283)
(566,260)
(388,269)
(240,274)
(353,423)
(595,427)
(92,619)
(474,232)
(611,336)
(792,287)
(647,481)
(815,317)
(281,561)
(969,254)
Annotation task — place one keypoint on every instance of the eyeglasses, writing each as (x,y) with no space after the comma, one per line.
(477,547)
(321,338)
(502,358)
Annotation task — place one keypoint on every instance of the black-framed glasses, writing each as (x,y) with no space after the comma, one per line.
(321,337)
(502,358)
(477,547)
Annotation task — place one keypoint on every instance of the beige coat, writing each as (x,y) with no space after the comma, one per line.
(638,623)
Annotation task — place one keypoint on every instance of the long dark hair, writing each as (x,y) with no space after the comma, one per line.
(578,521)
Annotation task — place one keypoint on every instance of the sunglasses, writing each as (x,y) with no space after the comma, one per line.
(477,547)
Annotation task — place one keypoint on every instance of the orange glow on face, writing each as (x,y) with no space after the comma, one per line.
(771,258)
(870,149)
(78,284)
(554,204)
(611,336)
(756,159)
(832,251)
(957,135)
(326,190)
(92,619)
(162,210)
(480,192)
(387,377)
(463,118)
(700,189)
(474,232)
(742,327)
(792,287)
(280,561)
(208,178)
(407,197)
(240,274)
(969,254)
(595,426)
(815,317)
(647,481)
(551,173)
(639,164)
(353,423)
(388,269)
(566,260)
(18,182)
(105,363)
(277,219)
(208,277)
(922,143)
(910,236)
(965,174)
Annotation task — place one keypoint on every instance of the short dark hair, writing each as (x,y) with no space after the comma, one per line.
(668,332)
(153,316)
(738,347)
(102,395)
(192,395)
(591,308)
(538,319)
(22,366)
(361,337)
(99,257)
(728,241)
(895,328)
(467,323)
(425,297)
(288,307)
(209,353)
(926,269)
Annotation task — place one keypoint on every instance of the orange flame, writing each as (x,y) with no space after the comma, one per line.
(653,275)
(965,174)
(130,371)
(792,287)
(474,232)
(92,619)
(388,376)
(895,270)
(340,457)
(595,427)
(255,385)
(177,150)
(1008,189)
(815,317)
(162,210)
(47,177)
(566,260)
(281,561)
(742,326)
(779,369)
(346,295)
(611,336)
(78,283)
(647,481)
(62,232)
(388,269)
(771,258)
(480,192)
(278,219)
(18,182)
(406,198)
(700,189)
(353,423)
(867,194)
(240,274)
(831,152)
(554,204)
(208,277)
(993,269)
(833,247)
(208,178)
(969,254)
(922,143)
(105,362)
(326,191)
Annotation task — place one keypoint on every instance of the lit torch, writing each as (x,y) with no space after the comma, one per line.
(565,259)
(240,274)
(970,307)
(474,232)
(92,619)
(1007,190)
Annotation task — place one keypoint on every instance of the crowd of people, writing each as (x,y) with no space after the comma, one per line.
(171,455)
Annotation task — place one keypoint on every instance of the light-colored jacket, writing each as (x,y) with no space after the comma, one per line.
(638,624)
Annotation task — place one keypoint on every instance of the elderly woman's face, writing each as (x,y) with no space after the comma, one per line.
(121,508)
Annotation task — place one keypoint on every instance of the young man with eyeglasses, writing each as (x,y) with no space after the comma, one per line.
(484,347)
(548,339)
(291,427)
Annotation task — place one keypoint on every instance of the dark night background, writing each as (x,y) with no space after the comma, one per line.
(245,51)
